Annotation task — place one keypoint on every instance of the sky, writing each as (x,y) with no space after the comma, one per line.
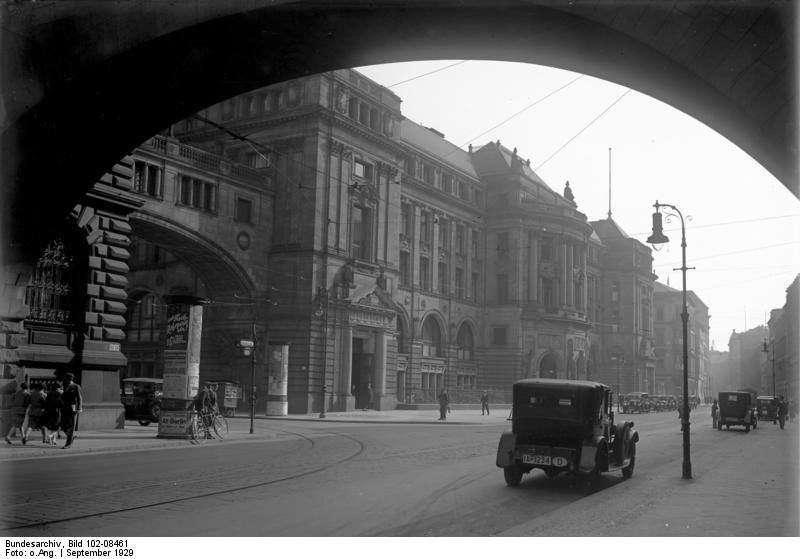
(742,224)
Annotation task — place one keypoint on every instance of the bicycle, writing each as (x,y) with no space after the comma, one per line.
(203,422)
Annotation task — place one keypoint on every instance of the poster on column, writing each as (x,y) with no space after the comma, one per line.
(177,326)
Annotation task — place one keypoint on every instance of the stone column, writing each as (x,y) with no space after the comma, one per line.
(347,364)
(380,368)
(566,278)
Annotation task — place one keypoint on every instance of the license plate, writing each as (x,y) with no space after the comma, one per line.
(536,459)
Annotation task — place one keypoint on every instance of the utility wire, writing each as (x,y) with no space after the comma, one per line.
(733,252)
(427,74)
(498,125)
(721,223)
(582,130)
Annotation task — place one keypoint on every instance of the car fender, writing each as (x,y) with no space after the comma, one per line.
(505,449)
(589,447)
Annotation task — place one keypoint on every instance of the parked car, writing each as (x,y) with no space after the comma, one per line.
(767,408)
(737,408)
(565,426)
(141,397)
(636,402)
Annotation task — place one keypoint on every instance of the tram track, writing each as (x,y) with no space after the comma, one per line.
(52,509)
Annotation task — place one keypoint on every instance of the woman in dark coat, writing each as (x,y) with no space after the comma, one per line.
(51,418)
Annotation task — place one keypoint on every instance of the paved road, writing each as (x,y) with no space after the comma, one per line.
(411,479)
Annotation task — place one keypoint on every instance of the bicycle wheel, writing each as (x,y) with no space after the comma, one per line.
(220,426)
(196,431)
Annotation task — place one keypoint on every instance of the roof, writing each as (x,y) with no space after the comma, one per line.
(609,229)
(429,141)
(559,383)
(496,158)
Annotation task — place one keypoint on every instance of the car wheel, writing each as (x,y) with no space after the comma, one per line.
(144,422)
(513,475)
(746,428)
(627,471)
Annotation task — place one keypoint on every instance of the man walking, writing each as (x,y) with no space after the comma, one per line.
(485,402)
(72,405)
(444,403)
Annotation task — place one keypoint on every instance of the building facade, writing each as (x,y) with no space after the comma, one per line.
(781,370)
(669,343)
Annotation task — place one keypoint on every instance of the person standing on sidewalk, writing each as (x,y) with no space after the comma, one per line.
(782,411)
(485,402)
(36,410)
(444,403)
(370,396)
(19,408)
(51,420)
(714,411)
(72,406)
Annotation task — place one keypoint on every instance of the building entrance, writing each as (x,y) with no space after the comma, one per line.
(361,375)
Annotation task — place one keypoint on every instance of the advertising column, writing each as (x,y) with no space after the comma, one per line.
(277,401)
(181,365)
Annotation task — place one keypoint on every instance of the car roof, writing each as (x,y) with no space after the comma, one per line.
(143,379)
(558,383)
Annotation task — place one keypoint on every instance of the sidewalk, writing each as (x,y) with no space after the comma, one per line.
(134,437)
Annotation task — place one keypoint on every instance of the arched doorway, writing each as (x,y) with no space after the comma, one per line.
(548,366)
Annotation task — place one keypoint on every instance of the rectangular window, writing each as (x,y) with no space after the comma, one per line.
(244,210)
(405,269)
(502,243)
(424,274)
(476,240)
(460,287)
(447,183)
(548,292)
(502,288)
(405,220)
(410,166)
(147,179)
(185,197)
(460,243)
(425,227)
(659,313)
(427,174)
(463,191)
(362,170)
(546,250)
(499,336)
(352,108)
(444,234)
(475,286)
(363,114)
(361,233)
(443,279)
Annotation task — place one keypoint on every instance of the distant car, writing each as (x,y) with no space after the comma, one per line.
(767,408)
(565,426)
(141,397)
(636,402)
(736,408)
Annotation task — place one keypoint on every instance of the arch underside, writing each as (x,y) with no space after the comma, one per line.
(220,273)
(730,66)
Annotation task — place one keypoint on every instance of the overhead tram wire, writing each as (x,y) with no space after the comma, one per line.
(426,74)
(582,130)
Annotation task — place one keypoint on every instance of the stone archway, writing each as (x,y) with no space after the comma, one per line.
(548,365)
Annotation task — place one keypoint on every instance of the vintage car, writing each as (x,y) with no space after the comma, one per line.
(636,402)
(766,408)
(736,408)
(565,426)
(141,397)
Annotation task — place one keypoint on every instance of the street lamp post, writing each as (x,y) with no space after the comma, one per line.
(657,238)
(620,359)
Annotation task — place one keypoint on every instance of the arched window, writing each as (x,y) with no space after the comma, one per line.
(466,343)
(402,340)
(431,338)
(548,367)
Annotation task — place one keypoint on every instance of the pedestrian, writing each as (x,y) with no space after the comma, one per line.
(20,403)
(36,410)
(444,404)
(72,405)
(714,410)
(51,419)
(485,402)
(782,411)
(370,396)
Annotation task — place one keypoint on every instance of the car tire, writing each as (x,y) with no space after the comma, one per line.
(627,471)
(513,475)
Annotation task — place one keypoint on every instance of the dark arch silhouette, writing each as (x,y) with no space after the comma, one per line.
(88,83)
